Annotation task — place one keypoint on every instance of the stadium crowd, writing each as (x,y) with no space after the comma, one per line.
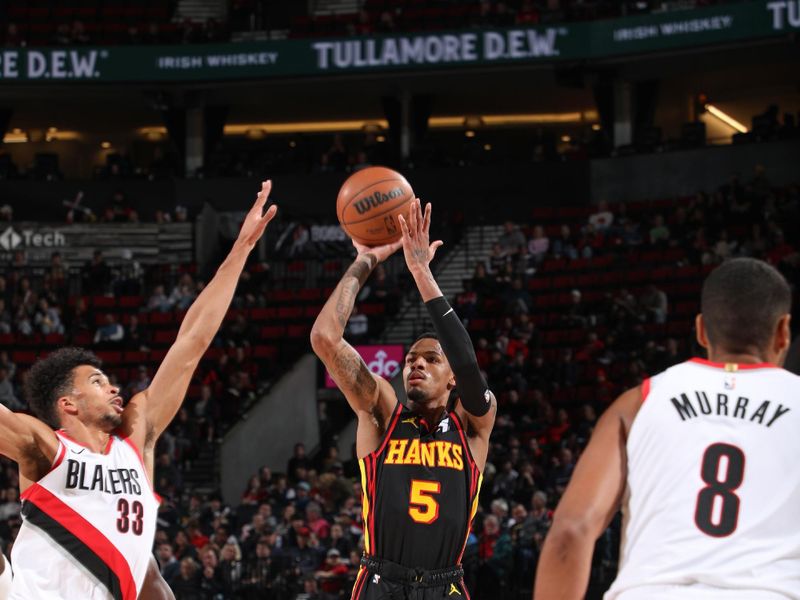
(297,533)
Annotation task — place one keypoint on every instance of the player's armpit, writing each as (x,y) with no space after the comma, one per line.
(589,503)
(28,441)
(151,411)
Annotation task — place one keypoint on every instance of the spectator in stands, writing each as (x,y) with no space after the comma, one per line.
(184,293)
(357,327)
(110,332)
(13,38)
(158,300)
(602,219)
(186,585)
(78,33)
(5,317)
(333,573)
(96,274)
(211,583)
(511,239)
(538,246)
(231,569)
(659,232)
(168,564)
(564,244)
(61,36)
(517,300)
(386,22)
(48,318)
(654,303)
(494,552)
(8,397)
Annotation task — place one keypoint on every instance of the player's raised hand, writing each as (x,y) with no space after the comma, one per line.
(417,247)
(256,220)
(379,252)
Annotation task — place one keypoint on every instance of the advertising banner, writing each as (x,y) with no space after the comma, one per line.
(385,360)
(297,58)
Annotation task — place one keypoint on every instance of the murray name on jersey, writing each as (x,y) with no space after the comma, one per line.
(697,404)
(98,478)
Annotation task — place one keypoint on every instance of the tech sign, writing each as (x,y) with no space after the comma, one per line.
(384,360)
(12,239)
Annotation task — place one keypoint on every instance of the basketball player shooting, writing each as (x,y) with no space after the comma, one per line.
(86,461)
(702,459)
(421,463)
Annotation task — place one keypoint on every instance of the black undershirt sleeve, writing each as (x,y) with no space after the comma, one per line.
(457,347)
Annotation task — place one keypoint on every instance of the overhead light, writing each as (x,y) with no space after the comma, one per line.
(469,133)
(487,147)
(380,138)
(725,118)
(256,133)
(15,137)
(292,144)
(596,127)
(54,134)
(505,120)
(473,122)
(304,127)
(372,127)
(105,145)
(566,139)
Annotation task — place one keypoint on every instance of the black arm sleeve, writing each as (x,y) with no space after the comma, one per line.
(460,354)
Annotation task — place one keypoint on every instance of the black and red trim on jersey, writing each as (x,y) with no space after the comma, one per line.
(79,538)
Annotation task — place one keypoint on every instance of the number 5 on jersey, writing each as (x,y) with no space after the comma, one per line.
(423,508)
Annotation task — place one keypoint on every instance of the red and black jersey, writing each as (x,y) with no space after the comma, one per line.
(420,492)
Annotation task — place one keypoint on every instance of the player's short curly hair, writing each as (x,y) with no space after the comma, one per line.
(52,377)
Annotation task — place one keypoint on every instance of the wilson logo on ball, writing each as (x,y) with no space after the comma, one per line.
(376,199)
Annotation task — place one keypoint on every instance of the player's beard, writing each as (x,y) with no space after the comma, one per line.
(112,420)
(415,394)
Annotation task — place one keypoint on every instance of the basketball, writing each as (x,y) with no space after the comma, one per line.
(369,203)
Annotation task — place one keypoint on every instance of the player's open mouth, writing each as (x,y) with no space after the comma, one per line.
(117,403)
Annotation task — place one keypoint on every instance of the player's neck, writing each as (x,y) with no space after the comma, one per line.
(94,439)
(432,413)
(739,358)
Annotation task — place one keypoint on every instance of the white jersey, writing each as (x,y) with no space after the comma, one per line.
(88,526)
(712,505)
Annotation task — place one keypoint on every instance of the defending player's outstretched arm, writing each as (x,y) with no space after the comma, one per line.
(477,401)
(370,397)
(150,411)
(589,503)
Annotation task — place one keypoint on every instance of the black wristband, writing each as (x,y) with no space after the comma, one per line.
(457,347)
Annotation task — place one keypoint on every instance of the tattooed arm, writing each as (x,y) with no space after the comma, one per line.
(370,397)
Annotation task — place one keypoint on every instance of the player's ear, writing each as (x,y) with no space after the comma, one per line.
(68,405)
(783,336)
(700,327)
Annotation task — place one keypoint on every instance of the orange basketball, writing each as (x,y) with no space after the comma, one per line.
(369,202)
